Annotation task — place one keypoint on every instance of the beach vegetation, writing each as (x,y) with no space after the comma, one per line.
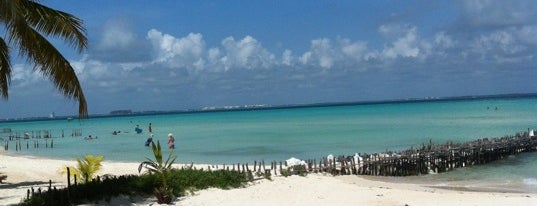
(163,193)
(181,181)
(295,170)
(28,26)
(86,167)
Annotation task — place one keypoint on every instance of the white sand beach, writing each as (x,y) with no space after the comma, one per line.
(314,189)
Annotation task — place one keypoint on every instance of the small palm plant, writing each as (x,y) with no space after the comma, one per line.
(164,194)
(86,168)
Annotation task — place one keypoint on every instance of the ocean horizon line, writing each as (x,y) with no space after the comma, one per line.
(128,112)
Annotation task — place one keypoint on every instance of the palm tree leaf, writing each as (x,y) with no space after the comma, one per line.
(5,69)
(22,18)
(157,152)
(149,165)
(169,161)
(49,61)
(89,166)
(56,23)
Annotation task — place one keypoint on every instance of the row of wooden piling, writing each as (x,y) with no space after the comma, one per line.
(33,138)
(432,158)
(35,144)
(39,134)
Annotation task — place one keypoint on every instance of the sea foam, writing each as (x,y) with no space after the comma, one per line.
(530,181)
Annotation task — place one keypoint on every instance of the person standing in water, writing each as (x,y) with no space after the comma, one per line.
(149,140)
(149,128)
(171,141)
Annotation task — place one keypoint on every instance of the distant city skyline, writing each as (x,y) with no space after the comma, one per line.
(178,55)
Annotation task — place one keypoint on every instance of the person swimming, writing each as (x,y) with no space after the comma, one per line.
(149,140)
(137,129)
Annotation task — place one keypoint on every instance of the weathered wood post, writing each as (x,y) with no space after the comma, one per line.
(68,177)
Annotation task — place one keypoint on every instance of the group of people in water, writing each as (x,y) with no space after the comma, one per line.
(171,139)
(138,130)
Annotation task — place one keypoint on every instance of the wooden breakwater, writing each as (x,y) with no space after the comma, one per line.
(32,139)
(427,159)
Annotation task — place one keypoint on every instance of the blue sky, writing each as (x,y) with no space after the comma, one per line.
(172,55)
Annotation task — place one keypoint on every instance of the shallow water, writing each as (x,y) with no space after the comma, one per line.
(305,133)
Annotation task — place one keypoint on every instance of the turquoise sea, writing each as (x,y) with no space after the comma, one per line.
(306,133)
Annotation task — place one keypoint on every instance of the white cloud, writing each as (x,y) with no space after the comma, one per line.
(321,54)
(496,42)
(246,53)
(498,13)
(355,52)
(184,52)
(119,43)
(22,76)
(405,46)
(116,35)
(287,58)
(89,69)
(444,41)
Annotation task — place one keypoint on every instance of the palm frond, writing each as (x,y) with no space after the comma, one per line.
(157,164)
(23,20)
(5,69)
(149,165)
(157,152)
(56,23)
(89,166)
(49,61)
(170,161)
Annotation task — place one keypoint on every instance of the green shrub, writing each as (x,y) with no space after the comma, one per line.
(295,170)
(179,180)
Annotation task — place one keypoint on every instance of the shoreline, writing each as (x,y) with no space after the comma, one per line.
(27,171)
(453,186)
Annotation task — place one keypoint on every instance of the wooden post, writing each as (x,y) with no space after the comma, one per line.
(68,177)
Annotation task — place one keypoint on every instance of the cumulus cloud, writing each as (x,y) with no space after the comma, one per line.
(321,54)
(246,53)
(287,58)
(487,13)
(406,45)
(118,43)
(185,52)
(502,42)
(354,51)
(23,76)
